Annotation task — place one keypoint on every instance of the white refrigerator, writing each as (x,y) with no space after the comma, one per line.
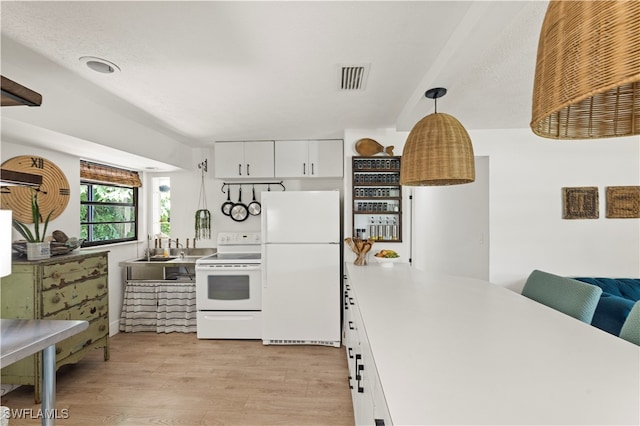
(301,268)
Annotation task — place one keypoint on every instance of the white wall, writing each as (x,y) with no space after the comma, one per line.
(527,229)
(451,226)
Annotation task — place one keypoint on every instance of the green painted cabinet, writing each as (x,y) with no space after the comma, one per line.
(73,286)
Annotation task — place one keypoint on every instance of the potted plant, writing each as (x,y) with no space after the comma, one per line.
(37,247)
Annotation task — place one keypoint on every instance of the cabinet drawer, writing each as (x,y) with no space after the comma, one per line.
(60,275)
(58,299)
(98,328)
(87,311)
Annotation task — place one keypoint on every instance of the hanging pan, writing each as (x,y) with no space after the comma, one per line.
(239,211)
(227,205)
(254,206)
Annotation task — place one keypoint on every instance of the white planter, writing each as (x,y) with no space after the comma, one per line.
(36,251)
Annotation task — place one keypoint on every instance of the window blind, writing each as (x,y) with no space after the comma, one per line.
(99,173)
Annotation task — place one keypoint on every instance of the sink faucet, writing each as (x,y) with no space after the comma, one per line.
(179,245)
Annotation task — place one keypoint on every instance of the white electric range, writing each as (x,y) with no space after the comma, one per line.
(229,288)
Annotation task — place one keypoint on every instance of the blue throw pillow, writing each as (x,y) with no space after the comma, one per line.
(611,313)
(629,288)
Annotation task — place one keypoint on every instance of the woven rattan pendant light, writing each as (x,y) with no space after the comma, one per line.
(438,151)
(587,80)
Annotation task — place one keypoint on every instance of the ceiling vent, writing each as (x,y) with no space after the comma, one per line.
(353,77)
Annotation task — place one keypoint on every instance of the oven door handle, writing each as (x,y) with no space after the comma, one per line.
(227,268)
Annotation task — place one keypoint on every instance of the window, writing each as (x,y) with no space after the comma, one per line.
(161,205)
(108,211)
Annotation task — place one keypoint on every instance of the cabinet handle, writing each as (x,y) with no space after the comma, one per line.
(359,377)
(58,350)
(102,327)
(101,285)
(313,172)
(56,275)
(359,368)
(350,352)
(239,169)
(55,299)
(304,168)
(248,174)
(350,385)
(351,327)
(351,301)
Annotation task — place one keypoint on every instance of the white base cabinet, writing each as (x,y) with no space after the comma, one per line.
(456,350)
(369,405)
(309,158)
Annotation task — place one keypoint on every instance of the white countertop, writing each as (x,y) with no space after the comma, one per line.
(20,338)
(451,350)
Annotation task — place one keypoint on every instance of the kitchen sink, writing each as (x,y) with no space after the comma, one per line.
(191,258)
(156,259)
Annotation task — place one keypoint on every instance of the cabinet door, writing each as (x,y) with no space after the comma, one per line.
(292,159)
(325,158)
(244,159)
(229,161)
(258,159)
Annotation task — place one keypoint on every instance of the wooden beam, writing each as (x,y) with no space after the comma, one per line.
(12,177)
(14,94)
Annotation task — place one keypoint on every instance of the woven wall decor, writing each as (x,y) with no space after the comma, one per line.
(587,78)
(53,193)
(580,203)
(623,202)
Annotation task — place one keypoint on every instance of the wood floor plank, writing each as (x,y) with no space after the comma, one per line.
(176,379)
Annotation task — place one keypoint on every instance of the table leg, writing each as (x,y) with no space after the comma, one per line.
(49,385)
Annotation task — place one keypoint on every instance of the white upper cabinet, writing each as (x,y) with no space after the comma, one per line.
(309,158)
(253,159)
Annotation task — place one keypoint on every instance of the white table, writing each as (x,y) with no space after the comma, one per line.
(21,338)
(451,350)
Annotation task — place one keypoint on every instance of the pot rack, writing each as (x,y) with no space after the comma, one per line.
(250,183)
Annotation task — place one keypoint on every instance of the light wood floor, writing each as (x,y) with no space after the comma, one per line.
(176,379)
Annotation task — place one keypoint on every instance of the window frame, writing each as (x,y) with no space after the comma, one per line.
(89,203)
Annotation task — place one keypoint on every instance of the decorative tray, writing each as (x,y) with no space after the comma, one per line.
(56,248)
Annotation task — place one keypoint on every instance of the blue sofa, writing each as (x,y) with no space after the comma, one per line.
(618,297)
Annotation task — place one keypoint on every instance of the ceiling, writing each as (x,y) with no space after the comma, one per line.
(202,71)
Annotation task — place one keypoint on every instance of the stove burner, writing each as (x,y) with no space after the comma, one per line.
(232,256)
